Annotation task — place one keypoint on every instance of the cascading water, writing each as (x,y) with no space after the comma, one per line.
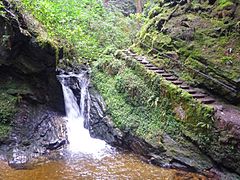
(78,137)
(88,158)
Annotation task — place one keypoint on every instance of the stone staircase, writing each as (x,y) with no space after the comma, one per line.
(168,76)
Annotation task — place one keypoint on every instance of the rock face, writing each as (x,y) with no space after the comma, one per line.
(100,124)
(170,154)
(36,131)
(204,36)
(24,56)
(28,79)
(199,42)
(126,7)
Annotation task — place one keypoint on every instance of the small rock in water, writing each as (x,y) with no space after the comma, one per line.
(18,160)
(56,144)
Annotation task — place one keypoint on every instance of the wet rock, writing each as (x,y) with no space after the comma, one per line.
(171,153)
(100,125)
(40,131)
(187,34)
(29,62)
(55,145)
(23,56)
(19,159)
(126,7)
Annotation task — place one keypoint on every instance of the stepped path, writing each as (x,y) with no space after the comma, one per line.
(228,115)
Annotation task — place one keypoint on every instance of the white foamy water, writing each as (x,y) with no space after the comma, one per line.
(79,137)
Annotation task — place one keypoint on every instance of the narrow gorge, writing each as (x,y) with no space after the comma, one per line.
(119,90)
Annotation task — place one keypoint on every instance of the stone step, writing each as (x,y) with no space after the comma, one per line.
(198,95)
(149,65)
(184,87)
(171,78)
(138,59)
(128,52)
(177,82)
(132,54)
(207,100)
(203,98)
(166,75)
(159,71)
(153,68)
(191,91)
(144,62)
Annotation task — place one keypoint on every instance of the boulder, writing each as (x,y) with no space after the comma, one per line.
(26,55)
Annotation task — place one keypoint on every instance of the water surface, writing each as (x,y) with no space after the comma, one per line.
(85,157)
(110,164)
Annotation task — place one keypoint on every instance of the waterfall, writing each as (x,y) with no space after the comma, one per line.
(76,112)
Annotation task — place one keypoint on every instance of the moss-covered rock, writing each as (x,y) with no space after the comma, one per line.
(204,36)
(199,122)
(27,54)
(141,109)
(27,65)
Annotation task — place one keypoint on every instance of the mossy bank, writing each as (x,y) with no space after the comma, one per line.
(199,40)
(179,36)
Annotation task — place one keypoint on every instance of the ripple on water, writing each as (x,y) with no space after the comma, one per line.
(111,165)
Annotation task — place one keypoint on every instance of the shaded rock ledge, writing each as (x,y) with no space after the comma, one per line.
(27,71)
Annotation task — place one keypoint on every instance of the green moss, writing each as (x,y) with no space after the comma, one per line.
(193,63)
(227,60)
(110,66)
(137,92)
(8,109)
(188,78)
(145,28)
(197,122)
(133,105)
(154,11)
(4,130)
(195,111)
(224,3)
(7,112)
(2,12)
(10,95)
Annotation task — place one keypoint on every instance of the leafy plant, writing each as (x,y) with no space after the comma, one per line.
(2,13)
(224,3)
(8,108)
(86,25)
(133,105)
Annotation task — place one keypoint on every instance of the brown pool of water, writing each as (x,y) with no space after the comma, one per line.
(115,165)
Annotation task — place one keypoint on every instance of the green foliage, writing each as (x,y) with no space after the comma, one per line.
(1,6)
(137,92)
(111,67)
(4,129)
(224,3)
(227,60)
(8,109)
(10,96)
(2,13)
(132,104)
(197,122)
(86,25)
